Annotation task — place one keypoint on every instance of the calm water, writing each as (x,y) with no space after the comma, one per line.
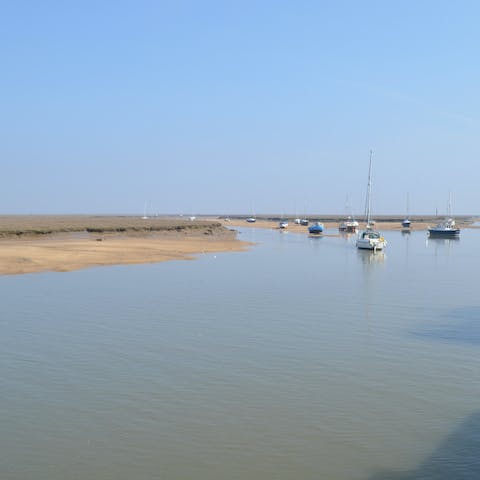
(300,359)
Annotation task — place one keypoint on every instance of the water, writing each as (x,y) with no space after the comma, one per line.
(300,359)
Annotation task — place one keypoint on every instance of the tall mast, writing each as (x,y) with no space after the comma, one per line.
(369,191)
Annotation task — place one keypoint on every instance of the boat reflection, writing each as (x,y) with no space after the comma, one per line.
(368,257)
(347,235)
(441,241)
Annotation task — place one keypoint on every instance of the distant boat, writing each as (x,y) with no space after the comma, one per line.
(304,222)
(316,228)
(406,223)
(145,217)
(370,239)
(283,224)
(251,219)
(447,228)
(297,221)
(350,225)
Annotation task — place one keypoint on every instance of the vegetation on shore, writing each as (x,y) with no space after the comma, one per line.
(39,225)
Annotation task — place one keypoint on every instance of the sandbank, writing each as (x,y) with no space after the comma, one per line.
(52,250)
(419,225)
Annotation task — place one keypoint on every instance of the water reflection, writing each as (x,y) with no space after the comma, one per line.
(347,235)
(442,241)
(441,245)
(368,257)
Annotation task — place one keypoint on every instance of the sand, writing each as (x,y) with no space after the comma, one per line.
(61,253)
(30,244)
(292,227)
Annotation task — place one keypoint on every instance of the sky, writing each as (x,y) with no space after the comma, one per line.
(229,107)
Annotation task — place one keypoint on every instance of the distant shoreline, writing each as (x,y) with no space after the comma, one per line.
(388,223)
(31,244)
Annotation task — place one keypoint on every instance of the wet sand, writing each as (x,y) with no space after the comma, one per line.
(65,243)
(61,252)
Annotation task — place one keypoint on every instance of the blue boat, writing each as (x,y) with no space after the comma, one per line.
(316,228)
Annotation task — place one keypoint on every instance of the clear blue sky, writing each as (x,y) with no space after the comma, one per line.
(226,107)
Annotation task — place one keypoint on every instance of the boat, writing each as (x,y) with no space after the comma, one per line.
(315,229)
(350,225)
(370,239)
(283,224)
(304,222)
(447,228)
(251,219)
(406,223)
(145,216)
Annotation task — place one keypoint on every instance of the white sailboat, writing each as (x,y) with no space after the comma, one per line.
(370,239)
(349,225)
(252,218)
(145,216)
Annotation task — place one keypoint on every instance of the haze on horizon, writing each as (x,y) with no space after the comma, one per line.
(220,107)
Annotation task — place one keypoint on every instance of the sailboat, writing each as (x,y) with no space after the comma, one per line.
(283,223)
(406,223)
(145,216)
(350,225)
(447,228)
(252,218)
(370,239)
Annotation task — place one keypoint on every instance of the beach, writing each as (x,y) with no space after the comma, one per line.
(66,243)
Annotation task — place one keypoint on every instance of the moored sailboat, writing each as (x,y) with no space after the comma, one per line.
(406,223)
(370,239)
(349,225)
(447,228)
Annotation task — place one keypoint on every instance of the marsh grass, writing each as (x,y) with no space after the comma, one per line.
(40,225)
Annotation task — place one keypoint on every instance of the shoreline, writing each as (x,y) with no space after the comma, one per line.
(328,224)
(54,247)
(34,244)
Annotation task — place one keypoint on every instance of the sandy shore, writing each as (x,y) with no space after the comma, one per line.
(62,252)
(292,227)
(65,243)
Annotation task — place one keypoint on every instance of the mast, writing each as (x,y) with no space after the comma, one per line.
(369,192)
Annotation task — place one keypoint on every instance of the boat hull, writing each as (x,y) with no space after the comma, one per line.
(371,240)
(452,233)
(369,245)
(348,228)
(315,229)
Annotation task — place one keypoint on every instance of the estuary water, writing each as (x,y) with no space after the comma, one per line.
(301,358)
